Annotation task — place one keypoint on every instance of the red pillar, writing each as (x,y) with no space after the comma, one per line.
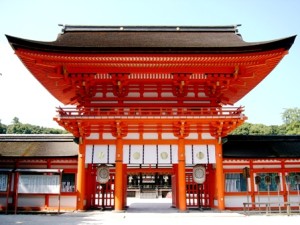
(181,176)
(175,186)
(81,189)
(220,183)
(119,176)
(124,186)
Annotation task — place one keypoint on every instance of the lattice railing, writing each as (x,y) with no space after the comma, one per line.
(138,112)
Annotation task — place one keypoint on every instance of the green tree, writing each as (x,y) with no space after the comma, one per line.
(259,129)
(256,129)
(15,120)
(277,129)
(3,128)
(292,128)
(244,129)
(291,119)
(19,128)
(291,115)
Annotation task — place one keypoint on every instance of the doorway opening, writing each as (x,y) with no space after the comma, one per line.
(150,186)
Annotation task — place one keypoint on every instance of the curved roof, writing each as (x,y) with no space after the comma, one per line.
(234,146)
(37,146)
(223,67)
(133,39)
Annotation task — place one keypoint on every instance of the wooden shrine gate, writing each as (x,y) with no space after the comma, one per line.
(100,196)
(197,195)
(170,83)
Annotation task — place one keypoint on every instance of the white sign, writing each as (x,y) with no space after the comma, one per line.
(39,184)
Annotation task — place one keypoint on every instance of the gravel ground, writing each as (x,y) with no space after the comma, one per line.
(149,211)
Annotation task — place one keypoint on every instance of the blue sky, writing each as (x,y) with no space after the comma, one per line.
(22,96)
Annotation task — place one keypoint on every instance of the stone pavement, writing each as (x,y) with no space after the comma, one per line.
(148,211)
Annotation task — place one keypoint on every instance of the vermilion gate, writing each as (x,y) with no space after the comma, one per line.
(197,195)
(100,196)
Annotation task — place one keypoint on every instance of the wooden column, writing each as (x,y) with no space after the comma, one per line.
(220,183)
(181,176)
(124,185)
(119,182)
(47,195)
(252,182)
(81,189)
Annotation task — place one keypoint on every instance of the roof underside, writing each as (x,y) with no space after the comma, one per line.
(212,60)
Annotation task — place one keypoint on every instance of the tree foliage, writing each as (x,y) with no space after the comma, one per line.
(20,128)
(291,126)
(3,128)
(291,115)
(259,129)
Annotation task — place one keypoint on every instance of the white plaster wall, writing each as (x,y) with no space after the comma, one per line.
(93,136)
(234,166)
(150,136)
(31,200)
(266,198)
(235,201)
(3,200)
(108,136)
(65,201)
(132,136)
(266,166)
(168,136)
(192,136)
(207,136)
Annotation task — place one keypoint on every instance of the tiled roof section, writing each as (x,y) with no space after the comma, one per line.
(101,39)
(37,146)
(247,146)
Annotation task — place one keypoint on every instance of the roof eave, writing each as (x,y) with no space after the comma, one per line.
(19,43)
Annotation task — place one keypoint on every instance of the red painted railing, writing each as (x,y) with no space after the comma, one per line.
(230,112)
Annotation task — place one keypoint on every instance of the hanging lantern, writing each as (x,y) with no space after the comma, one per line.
(257,180)
(277,180)
(297,179)
(246,172)
(102,174)
(267,180)
(199,174)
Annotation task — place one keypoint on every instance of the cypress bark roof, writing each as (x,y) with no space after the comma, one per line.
(37,146)
(157,39)
(235,146)
(256,146)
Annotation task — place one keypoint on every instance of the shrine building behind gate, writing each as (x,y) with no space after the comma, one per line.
(150,102)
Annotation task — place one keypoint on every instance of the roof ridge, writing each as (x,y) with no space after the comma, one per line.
(36,137)
(220,28)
